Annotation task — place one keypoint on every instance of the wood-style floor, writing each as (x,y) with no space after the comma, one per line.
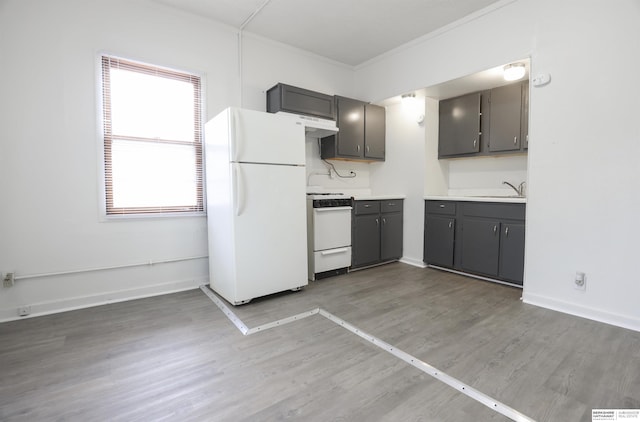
(178,358)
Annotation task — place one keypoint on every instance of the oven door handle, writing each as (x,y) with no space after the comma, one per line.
(324,209)
(334,251)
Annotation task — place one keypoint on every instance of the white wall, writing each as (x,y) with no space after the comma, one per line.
(584,139)
(49,143)
(403,173)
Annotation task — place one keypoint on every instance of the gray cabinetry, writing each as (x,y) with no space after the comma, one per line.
(524,119)
(376,232)
(361,133)
(512,252)
(374,130)
(480,238)
(489,122)
(439,233)
(480,246)
(291,99)
(506,114)
(365,242)
(459,125)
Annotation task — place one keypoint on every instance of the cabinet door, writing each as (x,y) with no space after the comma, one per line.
(351,125)
(506,110)
(374,132)
(391,236)
(366,239)
(439,234)
(512,252)
(480,246)
(459,122)
(300,101)
(524,119)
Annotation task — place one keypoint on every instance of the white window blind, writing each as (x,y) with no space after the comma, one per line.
(152,139)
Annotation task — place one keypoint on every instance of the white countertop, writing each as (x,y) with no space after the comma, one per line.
(507,199)
(366,197)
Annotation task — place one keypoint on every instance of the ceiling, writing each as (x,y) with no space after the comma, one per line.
(347,31)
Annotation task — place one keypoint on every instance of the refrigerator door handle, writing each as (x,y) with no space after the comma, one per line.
(238,188)
(236,136)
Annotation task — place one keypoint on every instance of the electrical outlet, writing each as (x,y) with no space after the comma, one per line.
(24,310)
(9,279)
(580,281)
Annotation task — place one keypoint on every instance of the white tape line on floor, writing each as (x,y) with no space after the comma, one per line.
(469,391)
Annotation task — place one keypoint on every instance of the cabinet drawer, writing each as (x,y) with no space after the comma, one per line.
(441,207)
(494,210)
(391,205)
(367,207)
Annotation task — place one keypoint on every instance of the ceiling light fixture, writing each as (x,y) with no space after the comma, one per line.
(513,71)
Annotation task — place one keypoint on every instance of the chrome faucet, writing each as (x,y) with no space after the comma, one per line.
(519,190)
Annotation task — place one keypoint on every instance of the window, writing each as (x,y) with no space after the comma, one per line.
(152,139)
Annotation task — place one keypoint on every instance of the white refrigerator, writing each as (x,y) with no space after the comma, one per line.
(256,204)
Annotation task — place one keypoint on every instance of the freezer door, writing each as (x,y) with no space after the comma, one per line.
(258,137)
(270,233)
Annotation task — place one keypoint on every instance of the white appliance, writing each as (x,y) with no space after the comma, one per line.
(328,234)
(255,169)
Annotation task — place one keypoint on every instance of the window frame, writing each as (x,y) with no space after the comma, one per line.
(107,211)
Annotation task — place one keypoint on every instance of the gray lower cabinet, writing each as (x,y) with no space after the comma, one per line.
(481,238)
(376,232)
(480,246)
(292,99)
(365,248)
(439,233)
(512,252)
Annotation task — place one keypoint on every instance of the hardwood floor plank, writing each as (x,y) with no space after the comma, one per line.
(177,357)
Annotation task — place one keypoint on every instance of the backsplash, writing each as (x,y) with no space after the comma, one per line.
(318,171)
(484,175)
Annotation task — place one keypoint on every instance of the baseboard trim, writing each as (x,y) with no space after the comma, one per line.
(582,311)
(70,304)
(414,262)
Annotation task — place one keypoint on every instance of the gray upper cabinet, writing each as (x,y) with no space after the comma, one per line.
(506,115)
(361,134)
(459,122)
(291,99)
(489,122)
(524,119)
(374,130)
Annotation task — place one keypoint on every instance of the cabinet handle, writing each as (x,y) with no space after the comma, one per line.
(367,206)
(391,204)
(450,224)
(441,205)
(358,148)
(384,221)
(495,229)
(515,140)
(506,231)
(527,137)
(367,148)
(377,222)
(475,142)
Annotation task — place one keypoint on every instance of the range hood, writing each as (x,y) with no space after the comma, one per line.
(314,127)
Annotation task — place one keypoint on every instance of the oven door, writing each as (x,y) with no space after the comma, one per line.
(331,228)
